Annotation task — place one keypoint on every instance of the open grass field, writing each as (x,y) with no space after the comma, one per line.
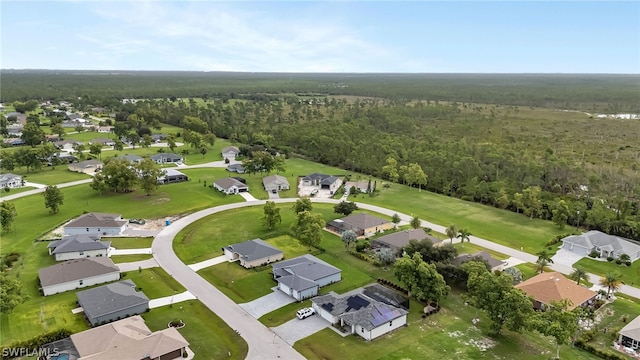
(469,248)
(154,282)
(130,258)
(209,175)
(630,274)
(209,337)
(130,243)
(50,176)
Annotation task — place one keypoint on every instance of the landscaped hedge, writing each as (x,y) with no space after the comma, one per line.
(556,239)
(603,353)
(393,285)
(35,343)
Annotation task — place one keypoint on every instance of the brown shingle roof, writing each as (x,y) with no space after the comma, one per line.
(553,286)
(76,269)
(127,339)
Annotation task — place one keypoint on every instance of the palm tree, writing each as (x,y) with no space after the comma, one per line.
(611,281)
(452,231)
(579,274)
(545,255)
(463,235)
(541,264)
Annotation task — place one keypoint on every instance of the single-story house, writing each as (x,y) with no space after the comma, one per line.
(230,152)
(495,264)
(96,224)
(112,302)
(128,339)
(553,286)
(105,129)
(73,116)
(79,246)
(230,186)
(362,224)
(360,314)
(166,158)
(13,141)
(19,117)
(606,245)
(78,273)
(63,158)
(66,144)
(103,142)
(53,138)
(303,276)
(172,176)
(10,181)
(275,183)
(238,168)
(400,239)
(322,181)
(72,123)
(158,137)
(131,158)
(362,186)
(98,110)
(630,334)
(253,253)
(87,166)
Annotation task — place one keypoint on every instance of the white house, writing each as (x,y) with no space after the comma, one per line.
(230,186)
(76,274)
(275,183)
(230,152)
(78,247)
(253,253)
(322,181)
(604,244)
(96,224)
(360,314)
(303,276)
(10,181)
(166,158)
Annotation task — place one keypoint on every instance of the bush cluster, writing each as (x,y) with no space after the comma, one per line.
(36,342)
(393,285)
(602,353)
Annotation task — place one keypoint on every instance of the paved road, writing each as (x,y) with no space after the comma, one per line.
(37,191)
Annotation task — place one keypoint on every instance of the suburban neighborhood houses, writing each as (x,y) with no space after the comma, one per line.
(302,277)
(253,253)
(76,274)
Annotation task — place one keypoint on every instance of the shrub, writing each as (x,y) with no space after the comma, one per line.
(36,342)
(610,258)
(594,254)
(602,353)
(628,263)
(618,261)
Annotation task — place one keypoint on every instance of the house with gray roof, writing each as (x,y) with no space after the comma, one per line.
(629,335)
(362,224)
(87,166)
(230,186)
(273,183)
(134,159)
(237,168)
(111,302)
(494,263)
(103,142)
(10,181)
(360,314)
(79,246)
(398,240)
(604,244)
(76,274)
(166,158)
(303,276)
(253,253)
(230,152)
(96,224)
(322,181)
(172,176)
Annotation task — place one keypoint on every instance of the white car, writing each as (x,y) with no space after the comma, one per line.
(305,313)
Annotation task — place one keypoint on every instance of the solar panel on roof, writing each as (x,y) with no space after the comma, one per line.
(327,306)
(356,303)
(383,315)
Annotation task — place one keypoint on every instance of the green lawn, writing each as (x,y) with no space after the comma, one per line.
(12,191)
(239,284)
(469,248)
(130,258)
(630,274)
(289,246)
(617,315)
(283,314)
(209,337)
(154,282)
(254,181)
(49,176)
(130,243)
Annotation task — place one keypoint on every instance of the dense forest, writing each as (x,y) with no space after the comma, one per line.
(603,93)
(566,166)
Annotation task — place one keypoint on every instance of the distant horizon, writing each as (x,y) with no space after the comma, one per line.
(414,37)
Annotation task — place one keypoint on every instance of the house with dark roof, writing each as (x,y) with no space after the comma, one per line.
(14,141)
(553,286)
(96,224)
(166,158)
(604,244)
(274,183)
(303,276)
(66,145)
(230,186)
(111,302)
(398,240)
(172,176)
(237,168)
(253,253)
(494,263)
(322,181)
(629,335)
(360,314)
(87,166)
(10,181)
(78,247)
(362,224)
(76,274)
(133,159)
(126,339)
(230,152)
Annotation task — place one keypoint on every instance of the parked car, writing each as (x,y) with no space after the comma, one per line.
(137,221)
(305,313)
(274,191)
(314,191)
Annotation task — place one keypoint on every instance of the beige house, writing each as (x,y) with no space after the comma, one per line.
(87,166)
(253,253)
(362,224)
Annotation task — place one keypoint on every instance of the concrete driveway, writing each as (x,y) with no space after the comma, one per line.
(247,197)
(267,303)
(273,196)
(296,329)
(566,257)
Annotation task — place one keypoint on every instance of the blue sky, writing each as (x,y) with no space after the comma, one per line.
(335,36)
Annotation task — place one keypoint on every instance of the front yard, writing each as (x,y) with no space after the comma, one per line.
(630,274)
